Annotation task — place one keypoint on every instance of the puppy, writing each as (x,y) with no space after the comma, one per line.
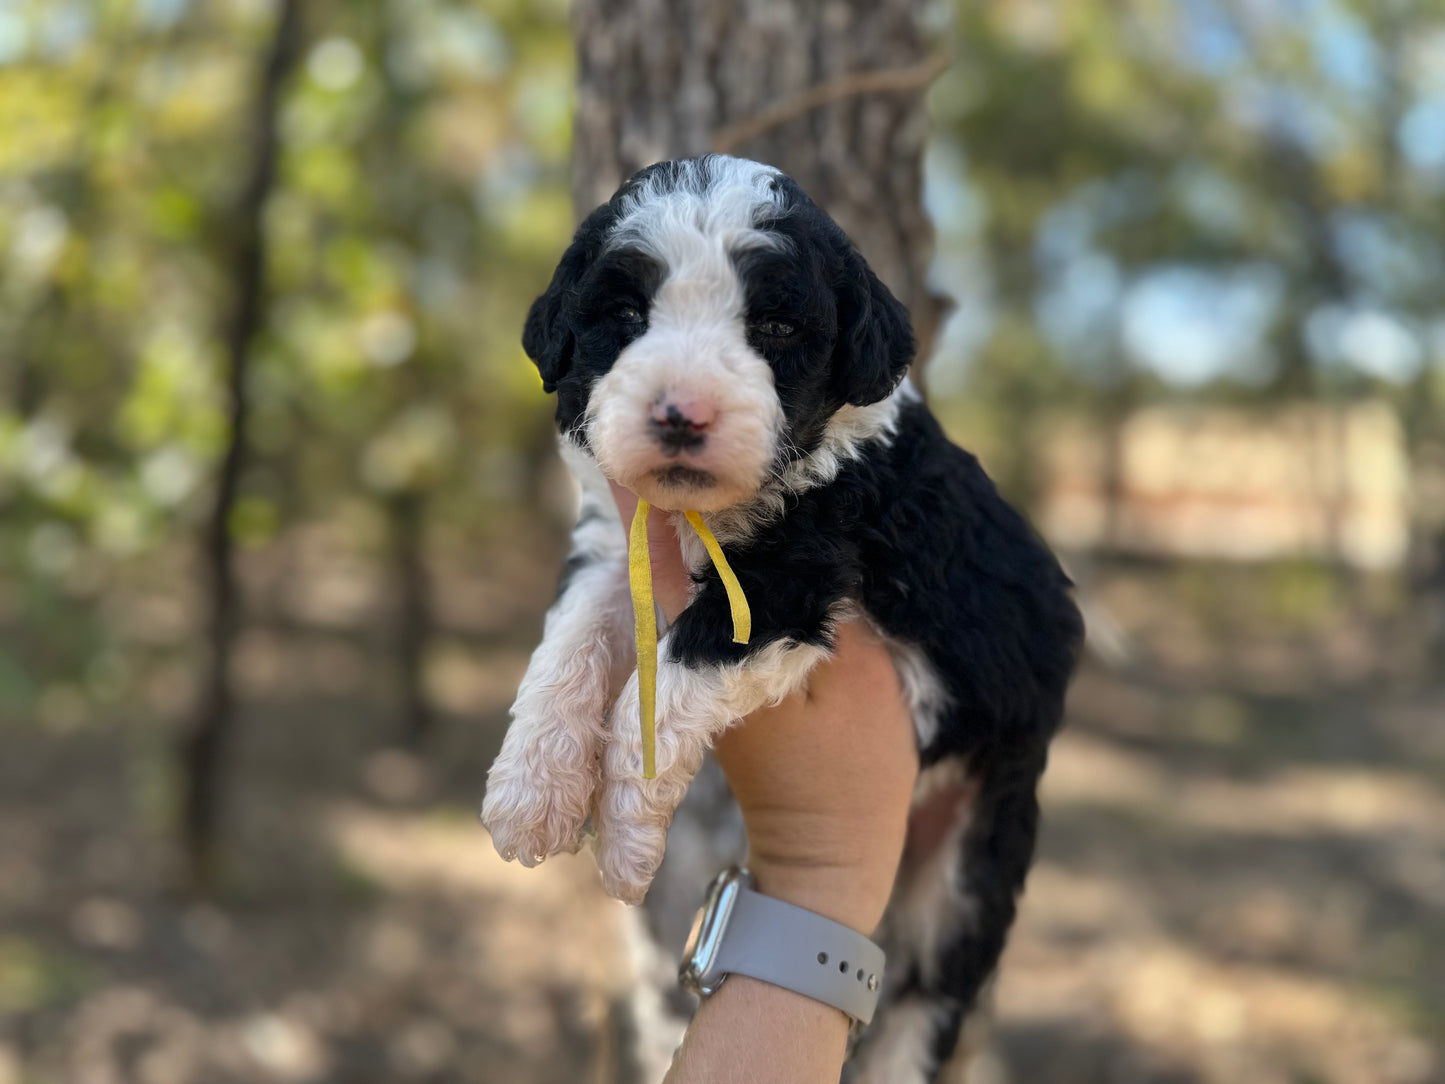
(716,343)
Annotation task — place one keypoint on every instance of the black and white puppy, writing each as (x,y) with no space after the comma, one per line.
(716,343)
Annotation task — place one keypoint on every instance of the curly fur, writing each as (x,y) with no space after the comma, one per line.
(836,495)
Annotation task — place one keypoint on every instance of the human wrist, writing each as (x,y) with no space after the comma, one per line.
(752,1030)
(842,892)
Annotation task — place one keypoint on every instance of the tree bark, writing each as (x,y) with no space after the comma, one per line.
(829,91)
(203,751)
(408,518)
(832,93)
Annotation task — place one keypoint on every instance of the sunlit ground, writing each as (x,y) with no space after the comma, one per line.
(1242,877)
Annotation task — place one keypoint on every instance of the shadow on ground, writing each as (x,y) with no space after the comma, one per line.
(1241,878)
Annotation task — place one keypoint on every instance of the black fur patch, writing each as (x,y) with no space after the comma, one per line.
(912,530)
(918,534)
(851,341)
(573,332)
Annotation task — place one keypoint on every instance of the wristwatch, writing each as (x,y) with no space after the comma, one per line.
(740,931)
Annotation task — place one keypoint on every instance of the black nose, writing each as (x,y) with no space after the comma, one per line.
(676,432)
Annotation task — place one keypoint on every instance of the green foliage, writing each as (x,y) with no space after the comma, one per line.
(33,975)
(1202,199)
(1103,175)
(420,201)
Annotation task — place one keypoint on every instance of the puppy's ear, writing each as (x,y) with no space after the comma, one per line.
(875,337)
(547,335)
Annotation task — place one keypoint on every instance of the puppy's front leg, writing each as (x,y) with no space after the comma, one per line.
(695,703)
(540,788)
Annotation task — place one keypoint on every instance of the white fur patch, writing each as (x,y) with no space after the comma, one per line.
(599,534)
(927,898)
(695,348)
(848,432)
(898,1050)
(657,1030)
(923,691)
(926,910)
(694,706)
(710,202)
(539,790)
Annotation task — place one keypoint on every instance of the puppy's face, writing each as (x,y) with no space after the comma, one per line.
(705,325)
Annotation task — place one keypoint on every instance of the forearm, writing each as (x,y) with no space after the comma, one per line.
(824,779)
(752,1032)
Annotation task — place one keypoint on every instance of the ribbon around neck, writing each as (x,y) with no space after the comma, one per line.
(644,613)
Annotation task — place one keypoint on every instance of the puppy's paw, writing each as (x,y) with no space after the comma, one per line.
(632,813)
(537,800)
(630,842)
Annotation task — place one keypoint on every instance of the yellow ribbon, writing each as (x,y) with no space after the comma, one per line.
(644,613)
(737,601)
(639,572)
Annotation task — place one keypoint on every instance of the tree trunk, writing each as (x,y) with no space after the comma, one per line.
(203,752)
(408,520)
(830,93)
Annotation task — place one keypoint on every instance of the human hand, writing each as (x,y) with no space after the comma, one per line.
(825,778)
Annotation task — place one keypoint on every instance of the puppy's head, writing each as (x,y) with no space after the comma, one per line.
(703,328)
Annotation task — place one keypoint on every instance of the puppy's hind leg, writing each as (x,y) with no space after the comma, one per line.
(970,844)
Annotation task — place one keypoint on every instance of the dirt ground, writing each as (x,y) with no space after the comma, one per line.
(1241,878)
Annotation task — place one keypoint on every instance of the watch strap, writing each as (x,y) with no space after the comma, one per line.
(802,951)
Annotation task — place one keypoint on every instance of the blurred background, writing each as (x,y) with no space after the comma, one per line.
(280,514)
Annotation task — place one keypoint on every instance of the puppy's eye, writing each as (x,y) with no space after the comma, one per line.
(775,329)
(627,314)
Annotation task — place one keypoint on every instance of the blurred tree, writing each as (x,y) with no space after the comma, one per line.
(831,93)
(204,749)
(1204,201)
(419,189)
(1210,201)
